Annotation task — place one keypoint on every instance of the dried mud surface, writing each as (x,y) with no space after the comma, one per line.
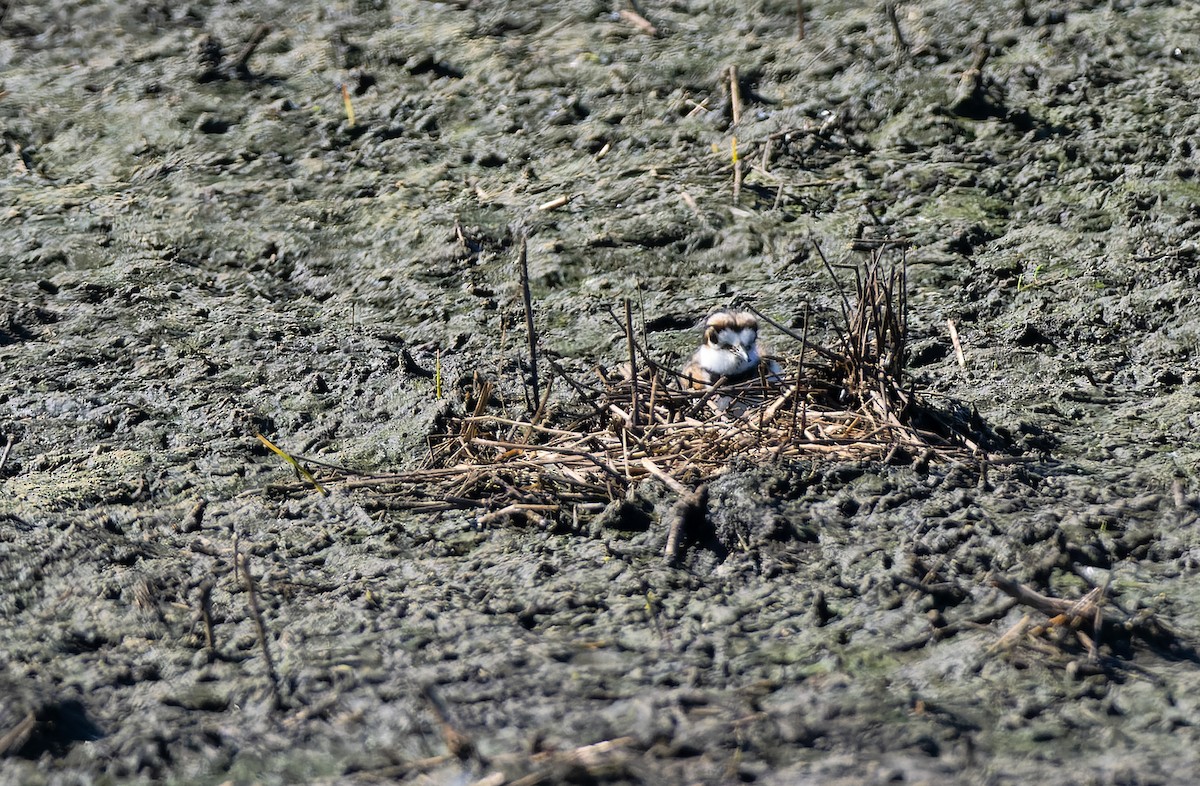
(192,253)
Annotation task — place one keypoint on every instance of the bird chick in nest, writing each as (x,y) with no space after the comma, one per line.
(729,349)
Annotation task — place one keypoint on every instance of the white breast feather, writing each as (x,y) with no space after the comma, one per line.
(725,363)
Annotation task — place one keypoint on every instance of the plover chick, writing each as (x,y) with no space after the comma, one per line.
(729,349)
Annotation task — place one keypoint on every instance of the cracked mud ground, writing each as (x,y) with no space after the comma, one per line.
(197,244)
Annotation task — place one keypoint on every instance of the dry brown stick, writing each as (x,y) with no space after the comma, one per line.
(765,165)
(653,393)
(15,738)
(241,564)
(481,401)
(587,391)
(630,341)
(650,362)
(803,339)
(803,343)
(889,8)
(540,412)
(1012,635)
(509,422)
(466,482)
(958,350)
(457,742)
(795,409)
(492,516)
(685,507)
(417,476)
(950,629)
(241,66)
(568,476)
(737,172)
(210,638)
(735,95)
(584,453)
(639,21)
(7,449)
(416,507)
(191,522)
(1098,619)
(594,759)
(642,440)
(587,755)
(1086,605)
(708,394)
(971,81)
(523,263)
(768,413)
(800,20)
(666,479)
(735,103)
(1051,607)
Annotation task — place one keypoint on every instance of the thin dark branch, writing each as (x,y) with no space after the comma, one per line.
(242,565)
(523,261)
(802,338)
(889,9)
(241,66)
(210,639)
(635,407)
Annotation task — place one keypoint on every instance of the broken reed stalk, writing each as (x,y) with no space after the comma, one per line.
(958,350)
(803,344)
(970,84)
(457,742)
(348,105)
(651,364)
(889,9)
(1085,617)
(527,297)
(800,20)
(242,65)
(635,415)
(540,412)
(634,17)
(846,310)
(737,171)
(241,564)
(191,522)
(653,397)
(898,295)
(210,639)
(735,95)
(735,102)
(14,739)
(688,507)
(802,338)
(876,328)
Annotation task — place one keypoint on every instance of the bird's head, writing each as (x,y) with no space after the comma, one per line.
(730,343)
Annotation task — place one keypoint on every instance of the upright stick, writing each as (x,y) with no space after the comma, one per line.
(633,375)
(533,368)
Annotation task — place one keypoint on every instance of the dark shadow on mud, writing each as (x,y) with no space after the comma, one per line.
(52,730)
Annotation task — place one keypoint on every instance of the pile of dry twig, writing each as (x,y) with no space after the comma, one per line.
(845,403)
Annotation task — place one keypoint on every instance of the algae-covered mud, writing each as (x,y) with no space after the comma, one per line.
(302,219)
